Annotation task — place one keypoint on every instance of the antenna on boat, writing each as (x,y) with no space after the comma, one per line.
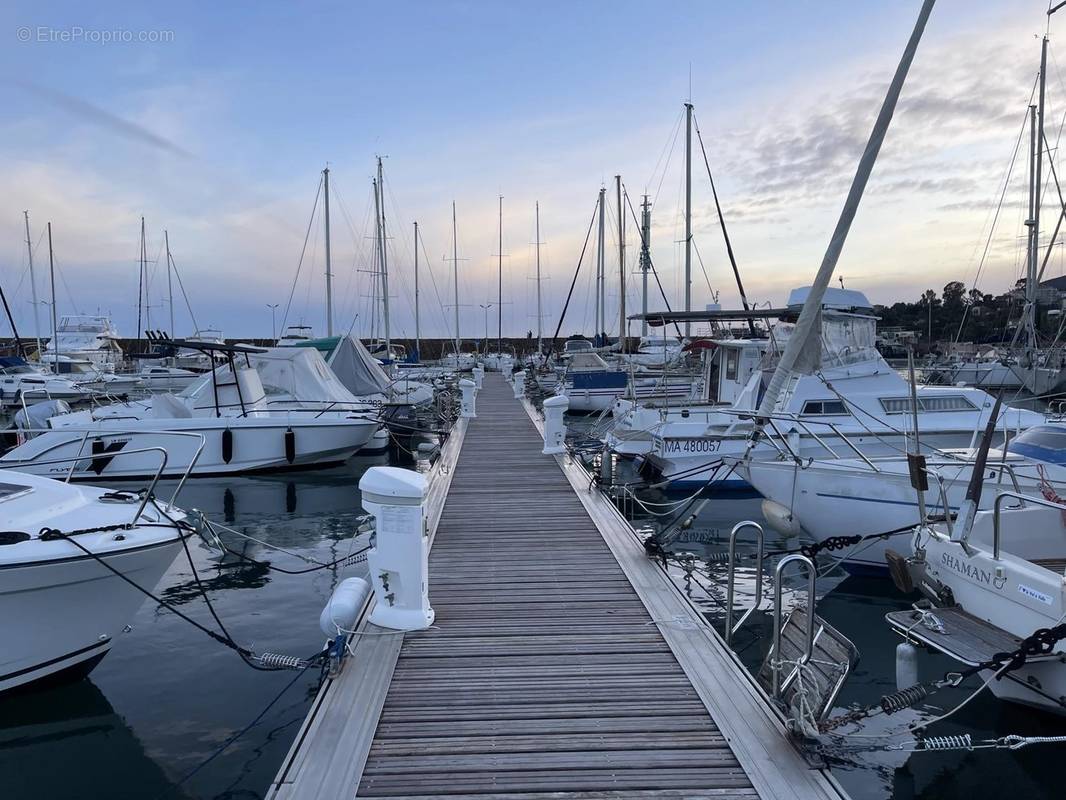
(33,289)
(329,263)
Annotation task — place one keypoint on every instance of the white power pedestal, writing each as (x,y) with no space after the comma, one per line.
(399,560)
(469,392)
(479,376)
(554,426)
(519,385)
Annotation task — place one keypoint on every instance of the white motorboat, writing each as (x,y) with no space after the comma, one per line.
(223,425)
(655,351)
(852,399)
(989,371)
(728,365)
(20,382)
(89,376)
(991,587)
(159,378)
(833,497)
(87,336)
(61,609)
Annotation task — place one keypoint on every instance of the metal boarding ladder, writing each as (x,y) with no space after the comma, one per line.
(809,659)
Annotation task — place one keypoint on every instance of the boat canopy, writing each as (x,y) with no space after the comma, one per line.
(351,363)
(298,373)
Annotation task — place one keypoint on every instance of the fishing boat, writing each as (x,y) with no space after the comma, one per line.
(63,605)
(223,425)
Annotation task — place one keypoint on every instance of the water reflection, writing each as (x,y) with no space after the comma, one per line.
(72,744)
(168,696)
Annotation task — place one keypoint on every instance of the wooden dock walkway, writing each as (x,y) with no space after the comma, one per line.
(562,663)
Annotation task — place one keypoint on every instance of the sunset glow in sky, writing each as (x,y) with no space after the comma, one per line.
(214,121)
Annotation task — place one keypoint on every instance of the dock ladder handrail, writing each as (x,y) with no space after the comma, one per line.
(730,628)
(812,574)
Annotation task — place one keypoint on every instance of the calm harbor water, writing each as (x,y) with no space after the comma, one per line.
(167,697)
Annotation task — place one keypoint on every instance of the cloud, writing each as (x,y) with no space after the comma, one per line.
(87,112)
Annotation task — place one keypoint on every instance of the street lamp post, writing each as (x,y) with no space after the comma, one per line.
(273,323)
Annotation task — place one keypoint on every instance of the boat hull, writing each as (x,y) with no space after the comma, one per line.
(60,617)
(254,445)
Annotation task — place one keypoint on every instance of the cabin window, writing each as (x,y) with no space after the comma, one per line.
(824,408)
(730,365)
(902,405)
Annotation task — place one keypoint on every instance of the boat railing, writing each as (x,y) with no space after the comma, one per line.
(81,455)
(730,628)
(808,650)
(805,424)
(1023,500)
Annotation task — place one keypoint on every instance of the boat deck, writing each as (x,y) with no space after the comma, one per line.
(562,664)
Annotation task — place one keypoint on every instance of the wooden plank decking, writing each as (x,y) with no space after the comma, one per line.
(545,675)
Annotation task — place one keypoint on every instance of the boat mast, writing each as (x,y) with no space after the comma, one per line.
(540,336)
(140,280)
(418,329)
(384,265)
(499,297)
(455,262)
(601,306)
(1030,260)
(645,261)
(1037,184)
(688,214)
(329,263)
(33,288)
(621,265)
(52,276)
(806,325)
(170,285)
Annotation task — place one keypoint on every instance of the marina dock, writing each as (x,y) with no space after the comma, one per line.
(563,662)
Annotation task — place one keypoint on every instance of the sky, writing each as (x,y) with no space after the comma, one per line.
(214,122)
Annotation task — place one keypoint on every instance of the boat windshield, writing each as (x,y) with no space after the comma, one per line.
(1042,443)
(578,346)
